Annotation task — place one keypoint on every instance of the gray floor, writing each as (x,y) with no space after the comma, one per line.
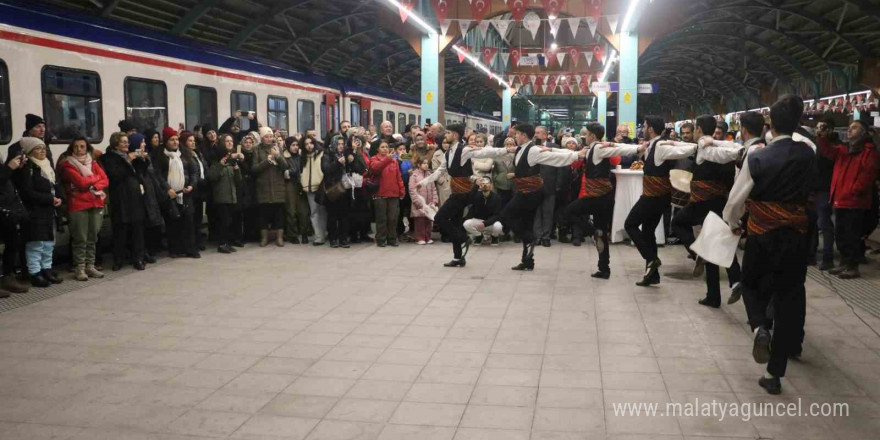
(369,343)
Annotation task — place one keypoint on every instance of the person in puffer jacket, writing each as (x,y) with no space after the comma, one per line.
(384,167)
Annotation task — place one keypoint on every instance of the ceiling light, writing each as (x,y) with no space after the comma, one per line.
(629,14)
(415,17)
(552,17)
(481,66)
(554,46)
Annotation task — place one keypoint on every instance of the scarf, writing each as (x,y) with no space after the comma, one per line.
(83,164)
(176,178)
(201,167)
(45,169)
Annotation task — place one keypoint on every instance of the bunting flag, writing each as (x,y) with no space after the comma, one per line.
(594,8)
(489,54)
(553,7)
(539,81)
(479,9)
(550,54)
(573,24)
(504,58)
(584,80)
(589,56)
(533,79)
(515,53)
(441,9)
(544,88)
(444,27)
(405,7)
(510,79)
(464,49)
(612,22)
(574,54)
(523,79)
(554,26)
(592,24)
(501,26)
(560,57)
(532,22)
(463,26)
(484,29)
(553,81)
(518,10)
(599,53)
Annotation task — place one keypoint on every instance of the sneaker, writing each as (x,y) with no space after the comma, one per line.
(735,293)
(224,249)
(421,242)
(430,241)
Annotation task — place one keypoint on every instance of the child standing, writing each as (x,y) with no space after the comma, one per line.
(424,203)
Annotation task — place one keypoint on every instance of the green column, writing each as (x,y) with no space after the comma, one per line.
(627,97)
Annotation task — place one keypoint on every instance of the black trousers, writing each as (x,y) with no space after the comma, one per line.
(179,233)
(338,213)
(251,223)
(820,219)
(10,233)
(774,273)
(506,196)
(223,216)
(642,221)
(849,231)
(272,215)
(520,215)
(683,225)
(122,232)
(449,220)
(601,209)
(198,220)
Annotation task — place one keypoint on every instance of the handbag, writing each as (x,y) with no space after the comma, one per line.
(334,192)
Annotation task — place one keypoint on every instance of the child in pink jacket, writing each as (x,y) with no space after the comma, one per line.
(424,202)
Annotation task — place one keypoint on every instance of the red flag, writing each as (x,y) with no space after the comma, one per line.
(523,79)
(405,7)
(585,81)
(550,53)
(539,81)
(489,54)
(554,79)
(464,49)
(518,9)
(594,8)
(515,54)
(441,9)
(479,8)
(553,7)
(599,53)
(574,54)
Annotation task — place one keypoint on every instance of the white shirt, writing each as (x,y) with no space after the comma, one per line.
(554,158)
(664,152)
(742,187)
(467,154)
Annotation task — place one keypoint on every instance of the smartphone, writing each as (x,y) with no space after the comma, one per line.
(428,121)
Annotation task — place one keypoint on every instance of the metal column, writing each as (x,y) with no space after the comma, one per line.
(431,77)
(627,97)
(506,101)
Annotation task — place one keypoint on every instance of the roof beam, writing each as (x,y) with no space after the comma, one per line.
(109,8)
(812,48)
(279,9)
(193,15)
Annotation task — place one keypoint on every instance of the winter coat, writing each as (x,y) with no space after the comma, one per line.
(484,208)
(312,173)
(331,168)
(12,210)
(225,180)
(390,181)
(38,195)
(483,167)
(854,174)
(503,166)
(269,178)
(202,190)
(190,172)
(427,192)
(126,200)
(77,187)
(247,194)
(155,192)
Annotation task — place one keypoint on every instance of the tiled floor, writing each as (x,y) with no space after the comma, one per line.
(368,343)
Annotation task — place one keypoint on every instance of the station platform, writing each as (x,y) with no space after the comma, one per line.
(381,343)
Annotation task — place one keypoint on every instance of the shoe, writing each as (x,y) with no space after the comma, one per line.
(5,294)
(576,242)
(333,244)
(93,272)
(52,276)
(478,240)
(466,247)
(456,263)
(264,237)
(837,270)
(80,274)
(238,243)
(294,240)
(430,241)
(421,242)
(761,346)
(150,259)
(139,265)
(117,267)
(649,280)
(194,255)
(304,239)
(710,303)
(773,386)
(672,241)
(850,274)
(279,237)
(735,293)
(545,242)
(380,244)
(231,248)
(174,255)
(202,247)
(602,275)
(13,285)
(393,244)
(224,249)
(826,265)
(526,266)
(344,244)
(652,274)
(317,243)
(38,280)
(495,241)
(699,267)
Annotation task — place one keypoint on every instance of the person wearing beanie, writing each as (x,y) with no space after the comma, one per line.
(84,183)
(175,165)
(36,184)
(268,169)
(10,225)
(127,127)
(35,127)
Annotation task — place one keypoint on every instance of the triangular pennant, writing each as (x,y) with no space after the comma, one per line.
(523,79)
(592,24)
(461,53)
(532,22)
(510,79)
(441,9)
(444,27)
(612,22)
(550,54)
(574,24)
(405,7)
(574,54)
(533,79)
(595,9)
(518,10)
(479,8)
(541,80)
(515,53)
(489,54)
(554,79)
(501,26)
(554,26)
(599,53)
(553,7)
(463,26)
(483,26)
(504,58)
(578,79)
(589,56)
(544,88)
(560,57)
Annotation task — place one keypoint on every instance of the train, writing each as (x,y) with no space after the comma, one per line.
(84,74)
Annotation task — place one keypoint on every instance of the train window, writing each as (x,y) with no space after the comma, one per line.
(276,116)
(5,106)
(200,105)
(355,114)
(72,104)
(146,104)
(412,119)
(420,120)
(305,115)
(246,102)
(401,123)
(389,116)
(323,119)
(377,120)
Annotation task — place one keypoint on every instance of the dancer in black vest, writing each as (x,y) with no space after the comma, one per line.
(774,186)
(656,196)
(457,164)
(520,211)
(711,183)
(598,201)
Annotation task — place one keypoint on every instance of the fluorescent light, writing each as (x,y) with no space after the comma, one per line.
(554,46)
(415,17)
(611,59)
(629,14)
(552,17)
(562,77)
(481,66)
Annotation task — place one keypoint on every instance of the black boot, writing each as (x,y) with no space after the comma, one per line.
(773,386)
(601,274)
(38,280)
(652,274)
(51,276)
(458,262)
(525,266)
(709,302)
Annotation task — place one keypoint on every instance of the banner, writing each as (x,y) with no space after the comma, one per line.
(594,8)
(529,61)
(441,9)
(515,54)
(554,26)
(592,24)
(612,22)
(553,7)
(599,53)
(532,22)
(444,27)
(589,56)
(574,24)
(533,79)
(504,58)
(574,54)
(463,26)
(479,9)
(483,26)
(518,9)
(489,55)
(502,27)
(560,57)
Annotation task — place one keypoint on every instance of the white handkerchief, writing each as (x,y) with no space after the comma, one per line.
(716,242)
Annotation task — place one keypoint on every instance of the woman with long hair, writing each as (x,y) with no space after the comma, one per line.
(175,165)
(225,176)
(250,210)
(361,212)
(311,178)
(201,191)
(335,165)
(84,183)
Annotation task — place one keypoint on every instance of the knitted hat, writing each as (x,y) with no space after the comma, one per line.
(31,121)
(167,133)
(265,131)
(206,128)
(566,140)
(29,143)
(125,126)
(134,142)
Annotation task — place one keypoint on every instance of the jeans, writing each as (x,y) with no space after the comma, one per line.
(318,217)
(495,229)
(826,225)
(84,228)
(39,255)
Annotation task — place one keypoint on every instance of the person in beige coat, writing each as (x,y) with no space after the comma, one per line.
(482,167)
(311,177)
(442,182)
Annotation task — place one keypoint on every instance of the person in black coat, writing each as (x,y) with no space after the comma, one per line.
(201,194)
(334,164)
(155,196)
(34,126)
(38,189)
(12,216)
(175,165)
(126,201)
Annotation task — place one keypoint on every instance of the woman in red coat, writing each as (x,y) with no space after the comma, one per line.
(384,168)
(84,182)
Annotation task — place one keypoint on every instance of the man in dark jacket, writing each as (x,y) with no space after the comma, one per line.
(821,194)
(34,126)
(12,214)
(484,214)
(544,215)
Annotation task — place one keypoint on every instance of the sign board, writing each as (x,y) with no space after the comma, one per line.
(600,87)
(627,97)
(610,113)
(647,88)
(429,97)
(529,60)
(497,114)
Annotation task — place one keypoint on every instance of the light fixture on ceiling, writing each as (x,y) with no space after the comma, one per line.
(415,17)
(554,46)
(482,66)
(630,11)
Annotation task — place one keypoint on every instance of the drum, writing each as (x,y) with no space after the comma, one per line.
(681,187)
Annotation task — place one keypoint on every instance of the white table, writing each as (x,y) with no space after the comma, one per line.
(629,189)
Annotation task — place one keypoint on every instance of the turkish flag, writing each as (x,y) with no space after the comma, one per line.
(461,53)
(479,8)
(553,80)
(523,79)
(585,81)
(553,7)
(515,54)
(550,53)
(441,9)
(574,54)
(405,7)
(594,8)
(489,55)
(539,81)
(599,53)
(518,9)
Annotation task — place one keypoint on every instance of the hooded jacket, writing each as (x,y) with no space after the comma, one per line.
(854,173)
(78,187)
